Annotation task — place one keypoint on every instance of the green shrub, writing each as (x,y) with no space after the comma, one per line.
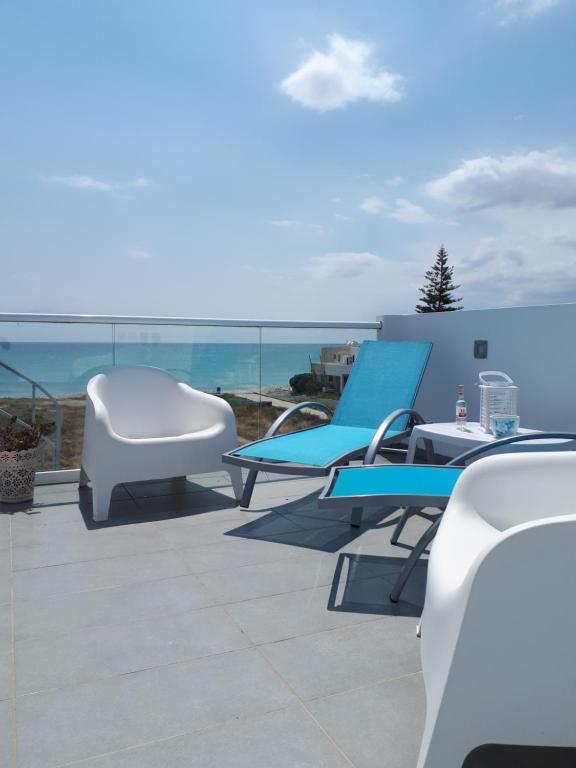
(305,384)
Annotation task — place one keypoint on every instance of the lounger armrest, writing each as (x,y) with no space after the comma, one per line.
(380,435)
(475,453)
(298,407)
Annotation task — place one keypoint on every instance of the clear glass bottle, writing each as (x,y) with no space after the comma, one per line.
(461,410)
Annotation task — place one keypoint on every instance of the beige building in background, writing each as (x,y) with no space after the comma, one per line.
(335,365)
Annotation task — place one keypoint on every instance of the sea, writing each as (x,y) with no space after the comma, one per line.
(64,368)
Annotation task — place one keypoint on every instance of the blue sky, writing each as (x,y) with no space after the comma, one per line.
(300,160)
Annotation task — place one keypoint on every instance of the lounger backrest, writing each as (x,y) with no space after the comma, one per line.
(386,376)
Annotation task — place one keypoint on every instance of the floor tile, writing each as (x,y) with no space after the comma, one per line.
(5,522)
(6,666)
(6,755)
(57,660)
(233,554)
(5,625)
(5,578)
(67,613)
(380,725)
(75,723)
(302,571)
(285,739)
(227,528)
(37,583)
(348,657)
(77,547)
(5,672)
(269,619)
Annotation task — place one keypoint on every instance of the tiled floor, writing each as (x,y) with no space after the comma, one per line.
(187,633)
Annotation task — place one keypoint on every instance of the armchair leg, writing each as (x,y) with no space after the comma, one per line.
(101,495)
(356,517)
(248,488)
(412,560)
(83,478)
(236,478)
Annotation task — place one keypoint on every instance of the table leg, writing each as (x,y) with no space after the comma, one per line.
(411,452)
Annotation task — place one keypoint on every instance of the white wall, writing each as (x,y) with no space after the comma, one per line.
(536,346)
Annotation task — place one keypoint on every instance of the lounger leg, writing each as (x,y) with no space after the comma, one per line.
(412,560)
(248,488)
(406,515)
(83,478)
(236,478)
(356,517)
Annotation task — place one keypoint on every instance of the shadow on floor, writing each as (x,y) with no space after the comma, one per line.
(362,584)
(301,523)
(164,502)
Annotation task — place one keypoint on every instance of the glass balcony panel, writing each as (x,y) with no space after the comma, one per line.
(222,361)
(44,369)
(319,358)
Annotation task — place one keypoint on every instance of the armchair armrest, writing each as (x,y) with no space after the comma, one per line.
(378,438)
(295,408)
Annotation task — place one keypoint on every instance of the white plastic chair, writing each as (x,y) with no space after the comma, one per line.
(143,424)
(498,626)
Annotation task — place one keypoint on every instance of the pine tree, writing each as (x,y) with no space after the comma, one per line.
(437,292)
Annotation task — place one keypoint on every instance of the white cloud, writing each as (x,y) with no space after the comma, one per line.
(394,181)
(510,270)
(344,75)
(402,210)
(79,181)
(303,226)
(374,205)
(544,179)
(515,10)
(139,254)
(342,264)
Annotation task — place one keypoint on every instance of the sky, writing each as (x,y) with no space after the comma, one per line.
(285,160)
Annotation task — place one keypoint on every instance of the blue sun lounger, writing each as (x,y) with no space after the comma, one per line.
(414,486)
(375,409)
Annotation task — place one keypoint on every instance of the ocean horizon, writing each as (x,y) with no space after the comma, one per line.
(64,368)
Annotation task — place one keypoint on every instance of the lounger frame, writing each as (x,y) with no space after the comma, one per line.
(379,441)
(414,502)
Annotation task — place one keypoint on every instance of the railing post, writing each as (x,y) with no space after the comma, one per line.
(57,438)
(33,403)
(259,378)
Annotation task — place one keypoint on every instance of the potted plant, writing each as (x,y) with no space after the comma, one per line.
(18,458)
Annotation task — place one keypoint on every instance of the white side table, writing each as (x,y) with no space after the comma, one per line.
(453,440)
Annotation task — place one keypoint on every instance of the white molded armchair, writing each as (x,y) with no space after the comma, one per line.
(143,424)
(499,624)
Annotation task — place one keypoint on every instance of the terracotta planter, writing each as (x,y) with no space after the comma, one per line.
(17,473)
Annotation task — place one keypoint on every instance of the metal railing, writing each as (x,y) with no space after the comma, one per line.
(30,317)
(56,444)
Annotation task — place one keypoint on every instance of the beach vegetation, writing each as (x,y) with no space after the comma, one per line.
(305,384)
